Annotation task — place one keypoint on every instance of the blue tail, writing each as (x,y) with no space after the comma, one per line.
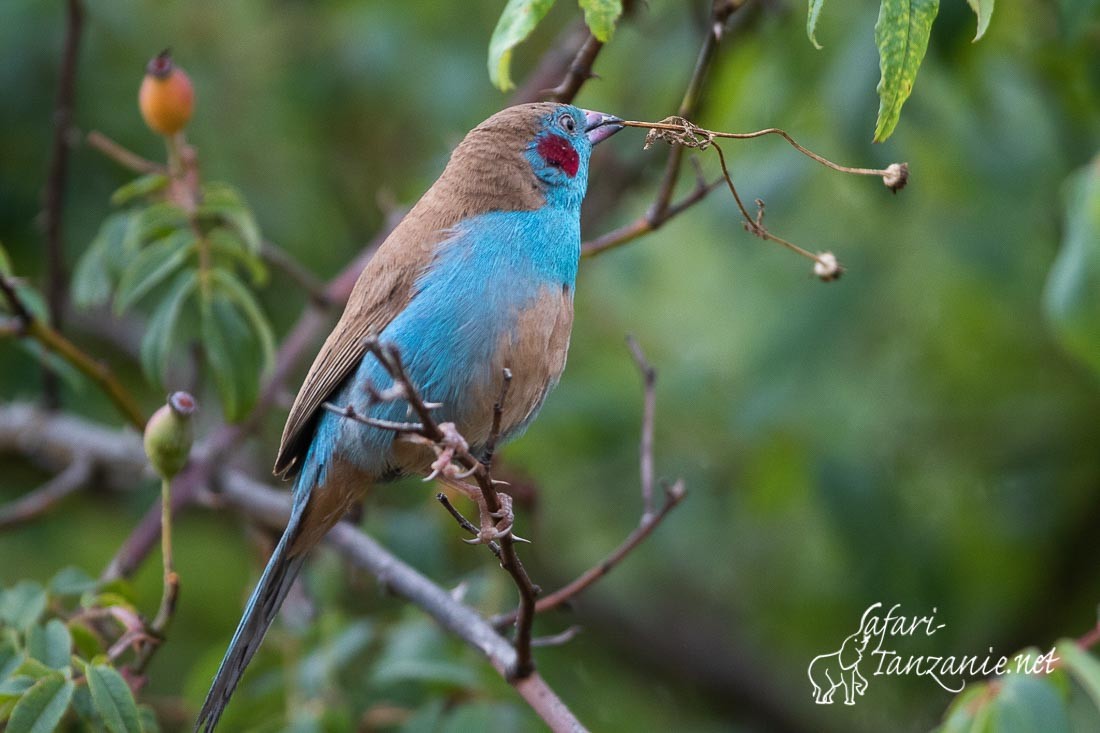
(262,608)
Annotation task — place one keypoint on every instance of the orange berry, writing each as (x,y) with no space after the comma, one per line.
(166,97)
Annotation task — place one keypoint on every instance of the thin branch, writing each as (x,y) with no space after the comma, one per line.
(122,155)
(56,277)
(580,71)
(282,260)
(498,415)
(452,447)
(465,523)
(650,519)
(75,477)
(98,372)
(649,380)
(721,10)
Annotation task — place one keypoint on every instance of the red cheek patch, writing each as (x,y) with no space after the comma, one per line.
(558,152)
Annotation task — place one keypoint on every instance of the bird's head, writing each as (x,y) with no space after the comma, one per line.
(532,155)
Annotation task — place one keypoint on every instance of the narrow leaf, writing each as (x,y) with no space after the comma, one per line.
(243,299)
(222,201)
(152,223)
(153,265)
(1071,300)
(142,186)
(14,687)
(10,657)
(984,10)
(902,34)
(232,354)
(42,707)
(226,246)
(113,699)
(811,21)
(92,277)
(1027,703)
(516,23)
(160,335)
(600,16)
(51,644)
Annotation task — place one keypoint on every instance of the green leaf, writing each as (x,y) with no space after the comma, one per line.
(10,657)
(516,23)
(33,668)
(1071,299)
(1027,703)
(22,604)
(114,701)
(243,299)
(143,186)
(99,266)
(14,687)
(86,642)
(984,10)
(902,34)
(1084,667)
(222,201)
(160,335)
(152,223)
(153,265)
(71,581)
(233,355)
(811,21)
(227,247)
(51,644)
(600,16)
(42,707)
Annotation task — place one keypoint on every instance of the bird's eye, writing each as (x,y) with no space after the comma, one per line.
(567,123)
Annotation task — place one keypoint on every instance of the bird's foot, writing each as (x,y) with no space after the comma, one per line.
(446,449)
(493,525)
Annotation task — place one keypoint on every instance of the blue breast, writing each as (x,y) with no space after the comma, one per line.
(490,269)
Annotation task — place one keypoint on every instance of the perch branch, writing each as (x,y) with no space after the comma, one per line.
(57,440)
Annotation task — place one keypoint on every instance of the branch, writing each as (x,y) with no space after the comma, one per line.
(579,71)
(674,494)
(75,477)
(121,155)
(313,286)
(58,439)
(55,183)
(97,371)
(450,446)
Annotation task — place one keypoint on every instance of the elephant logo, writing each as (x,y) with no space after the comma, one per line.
(838,669)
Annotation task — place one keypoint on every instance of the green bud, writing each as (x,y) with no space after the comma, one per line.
(168,434)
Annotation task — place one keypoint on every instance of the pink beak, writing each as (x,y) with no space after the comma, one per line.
(599,126)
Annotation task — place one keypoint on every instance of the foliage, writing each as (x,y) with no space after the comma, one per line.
(183,260)
(58,648)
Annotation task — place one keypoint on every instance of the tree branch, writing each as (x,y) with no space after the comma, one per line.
(73,478)
(57,440)
(121,155)
(54,209)
(49,338)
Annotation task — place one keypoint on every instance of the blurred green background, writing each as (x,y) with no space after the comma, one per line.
(910,434)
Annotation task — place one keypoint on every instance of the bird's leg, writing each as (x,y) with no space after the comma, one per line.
(494,525)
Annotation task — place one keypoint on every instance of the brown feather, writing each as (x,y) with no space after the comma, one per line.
(487,172)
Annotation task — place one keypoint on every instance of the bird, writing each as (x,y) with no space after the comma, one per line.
(476,279)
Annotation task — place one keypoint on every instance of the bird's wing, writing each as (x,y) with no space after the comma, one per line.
(382,291)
